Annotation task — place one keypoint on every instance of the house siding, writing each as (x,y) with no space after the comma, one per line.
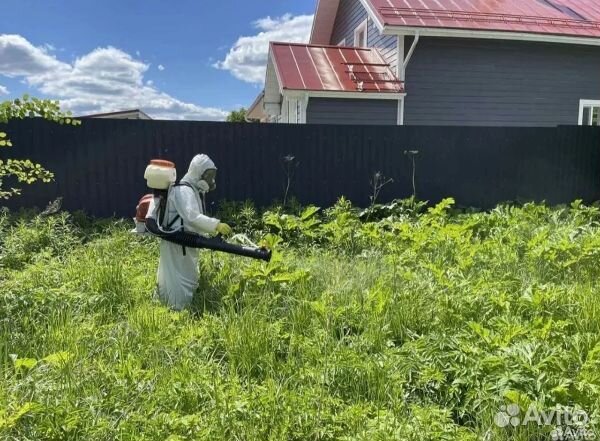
(499,83)
(351,14)
(351,111)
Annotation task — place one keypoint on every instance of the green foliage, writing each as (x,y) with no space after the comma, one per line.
(416,324)
(24,170)
(397,209)
(29,240)
(238,116)
(294,229)
(242,216)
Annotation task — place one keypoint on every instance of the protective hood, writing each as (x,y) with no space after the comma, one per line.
(198,166)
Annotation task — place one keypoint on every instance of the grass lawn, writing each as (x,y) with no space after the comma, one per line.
(411,324)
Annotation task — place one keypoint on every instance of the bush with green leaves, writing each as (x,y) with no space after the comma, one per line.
(24,171)
(418,324)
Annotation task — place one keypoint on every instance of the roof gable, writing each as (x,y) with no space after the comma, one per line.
(324,21)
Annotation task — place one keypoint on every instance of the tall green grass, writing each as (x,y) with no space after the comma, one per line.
(416,325)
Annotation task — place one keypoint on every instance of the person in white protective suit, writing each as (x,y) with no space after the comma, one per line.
(178,267)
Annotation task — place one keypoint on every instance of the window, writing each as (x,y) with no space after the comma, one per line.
(342,43)
(360,34)
(589,113)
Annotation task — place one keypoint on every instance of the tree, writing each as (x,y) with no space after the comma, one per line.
(24,170)
(237,115)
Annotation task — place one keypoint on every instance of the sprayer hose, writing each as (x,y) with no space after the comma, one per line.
(192,240)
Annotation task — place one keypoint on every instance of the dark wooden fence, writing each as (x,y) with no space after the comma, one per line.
(99,165)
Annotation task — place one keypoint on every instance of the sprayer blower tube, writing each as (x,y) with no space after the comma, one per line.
(192,240)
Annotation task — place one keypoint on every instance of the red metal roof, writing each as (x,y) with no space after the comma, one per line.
(577,18)
(333,69)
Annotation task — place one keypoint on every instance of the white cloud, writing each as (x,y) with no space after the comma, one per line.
(247,59)
(3,90)
(18,57)
(104,80)
(161,67)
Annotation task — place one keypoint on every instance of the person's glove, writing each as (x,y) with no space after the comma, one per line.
(223,229)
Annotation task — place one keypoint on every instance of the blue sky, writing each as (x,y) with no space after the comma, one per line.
(187,61)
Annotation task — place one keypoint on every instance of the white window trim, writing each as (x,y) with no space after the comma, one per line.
(342,43)
(363,27)
(583,104)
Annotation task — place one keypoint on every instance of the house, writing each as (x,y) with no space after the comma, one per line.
(440,62)
(123,114)
(256,111)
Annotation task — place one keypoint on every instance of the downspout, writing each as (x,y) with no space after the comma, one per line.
(411,51)
(402,73)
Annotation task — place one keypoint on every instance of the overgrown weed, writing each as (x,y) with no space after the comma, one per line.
(413,323)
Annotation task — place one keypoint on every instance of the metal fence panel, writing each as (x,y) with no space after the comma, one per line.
(99,165)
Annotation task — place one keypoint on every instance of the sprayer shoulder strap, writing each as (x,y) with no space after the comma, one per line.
(178,217)
(162,210)
(173,222)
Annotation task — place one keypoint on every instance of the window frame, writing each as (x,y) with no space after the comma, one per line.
(363,27)
(588,104)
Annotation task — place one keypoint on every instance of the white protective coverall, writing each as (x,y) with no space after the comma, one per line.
(178,271)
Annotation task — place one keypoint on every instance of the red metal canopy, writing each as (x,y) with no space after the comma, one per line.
(333,69)
(577,18)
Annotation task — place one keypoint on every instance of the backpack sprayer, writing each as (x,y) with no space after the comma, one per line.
(161,176)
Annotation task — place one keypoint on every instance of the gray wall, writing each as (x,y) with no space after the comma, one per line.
(351,111)
(483,82)
(351,14)
(499,83)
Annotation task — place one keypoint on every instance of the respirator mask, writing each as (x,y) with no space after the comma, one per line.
(208,181)
(203,186)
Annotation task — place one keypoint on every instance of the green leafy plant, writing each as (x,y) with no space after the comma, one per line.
(244,217)
(26,171)
(237,116)
(421,323)
(304,227)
